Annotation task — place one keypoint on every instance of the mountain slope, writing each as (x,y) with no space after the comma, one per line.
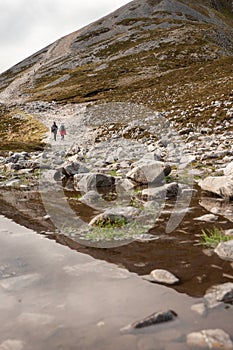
(165,54)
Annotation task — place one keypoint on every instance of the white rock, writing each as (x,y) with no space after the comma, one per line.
(229,169)
(149,172)
(221,185)
(210,339)
(168,190)
(219,293)
(207,218)
(164,276)
(72,168)
(124,185)
(225,250)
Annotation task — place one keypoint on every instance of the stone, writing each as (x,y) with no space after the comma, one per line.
(93,181)
(210,339)
(225,250)
(151,156)
(185,131)
(145,237)
(91,197)
(218,206)
(163,276)
(115,216)
(220,185)
(219,293)
(228,171)
(207,218)
(73,168)
(156,318)
(25,171)
(149,172)
(124,185)
(12,183)
(105,219)
(47,217)
(167,191)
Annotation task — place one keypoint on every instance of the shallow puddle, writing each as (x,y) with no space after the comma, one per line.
(179,252)
(53,297)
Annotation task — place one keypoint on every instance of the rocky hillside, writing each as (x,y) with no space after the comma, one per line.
(173,56)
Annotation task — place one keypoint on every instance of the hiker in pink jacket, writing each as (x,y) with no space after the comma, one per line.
(62,131)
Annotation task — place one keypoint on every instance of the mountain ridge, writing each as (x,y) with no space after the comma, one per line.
(169,55)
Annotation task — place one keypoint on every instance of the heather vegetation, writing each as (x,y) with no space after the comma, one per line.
(20,131)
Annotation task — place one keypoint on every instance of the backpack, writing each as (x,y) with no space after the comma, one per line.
(53,128)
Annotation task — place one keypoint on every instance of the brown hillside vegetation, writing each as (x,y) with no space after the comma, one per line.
(170,55)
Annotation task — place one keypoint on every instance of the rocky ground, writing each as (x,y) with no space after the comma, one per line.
(126,166)
(131,154)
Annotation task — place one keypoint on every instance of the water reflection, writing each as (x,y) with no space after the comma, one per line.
(198,268)
(52,297)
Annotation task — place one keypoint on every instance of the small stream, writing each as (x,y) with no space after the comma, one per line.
(180,252)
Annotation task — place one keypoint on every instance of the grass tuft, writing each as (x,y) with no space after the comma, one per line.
(213,237)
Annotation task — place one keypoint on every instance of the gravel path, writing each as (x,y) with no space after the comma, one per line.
(72,116)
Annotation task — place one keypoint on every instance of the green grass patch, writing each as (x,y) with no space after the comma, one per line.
(113,172)
(123,232)
(213,237)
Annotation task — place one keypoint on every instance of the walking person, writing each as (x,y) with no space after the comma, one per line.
(62,131)
(54,129)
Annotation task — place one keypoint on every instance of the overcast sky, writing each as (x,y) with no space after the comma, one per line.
(26,26)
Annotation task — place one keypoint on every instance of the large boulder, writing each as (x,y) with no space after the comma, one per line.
(149,172)
(218,206)
(166,191)
(73,168)
(228,171)
(93,181)
(220,185)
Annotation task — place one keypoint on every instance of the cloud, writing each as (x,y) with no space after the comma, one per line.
(28,26)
